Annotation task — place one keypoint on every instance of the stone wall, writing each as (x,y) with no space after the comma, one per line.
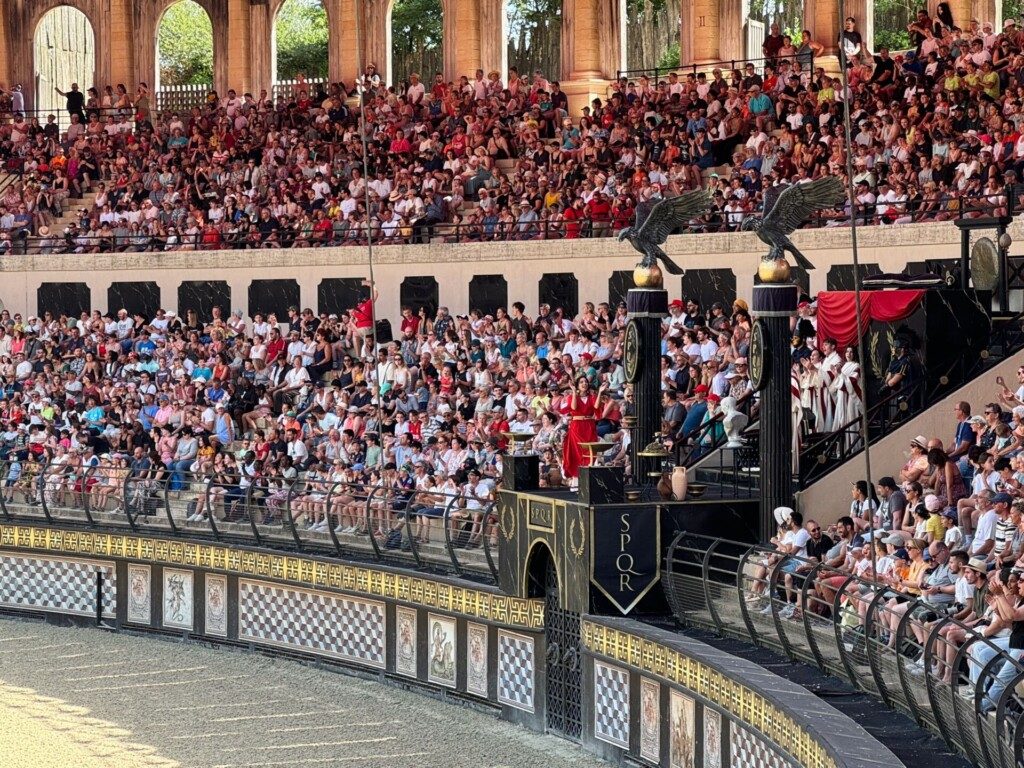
(593,262)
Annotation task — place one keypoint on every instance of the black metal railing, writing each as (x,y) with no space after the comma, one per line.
(655,74)
(441,532)
(917,657)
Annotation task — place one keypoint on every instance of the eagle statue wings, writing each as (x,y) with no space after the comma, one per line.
(657,219)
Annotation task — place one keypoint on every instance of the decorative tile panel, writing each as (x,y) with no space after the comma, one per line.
(315,622)
(611,704)
(747,750)
(650,720)
(216,605)
(56,584)
(140,594)
(516,670)
(406,641)
(179,599)
(477,676)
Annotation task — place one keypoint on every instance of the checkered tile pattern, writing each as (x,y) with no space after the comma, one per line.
(515,670)
(747,750)
(57,585)
(611,704)
(315,622)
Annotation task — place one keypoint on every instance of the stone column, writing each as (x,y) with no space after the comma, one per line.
(986,10)
(773,306)
(493,37)
(5,49)
(239,67)
(122,42)
(611,16)
(864,12)
(586,35)
(961,12)
(461,40)
(376,32)
(260,65)
(822,18)
(343,41)
(730,34)
(701,28)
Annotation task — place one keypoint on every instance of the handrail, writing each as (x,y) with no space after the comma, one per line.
(848,628)
(54,481)
(656,73)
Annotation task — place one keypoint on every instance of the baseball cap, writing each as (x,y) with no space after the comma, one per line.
(1002,498)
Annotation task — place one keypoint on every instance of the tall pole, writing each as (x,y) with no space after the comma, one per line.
(848,139)
(774,304)
(647,306)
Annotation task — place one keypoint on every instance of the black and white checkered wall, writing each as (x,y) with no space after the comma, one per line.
(57,585)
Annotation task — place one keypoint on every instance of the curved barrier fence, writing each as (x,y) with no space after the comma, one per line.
(642,695)
(938,667)
(385,523)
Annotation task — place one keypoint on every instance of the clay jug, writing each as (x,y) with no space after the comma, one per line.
(679,483)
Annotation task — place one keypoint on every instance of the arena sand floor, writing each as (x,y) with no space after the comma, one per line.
(92,699)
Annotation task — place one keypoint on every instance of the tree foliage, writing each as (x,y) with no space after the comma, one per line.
(416,33)
(891,20)
(652,33)
(185,45)
(788,14)
(301,37)
(535,36)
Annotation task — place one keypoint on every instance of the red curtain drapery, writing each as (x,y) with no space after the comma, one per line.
(837,312)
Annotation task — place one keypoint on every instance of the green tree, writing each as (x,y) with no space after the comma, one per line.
(416,39)
(535,37)
(185,45)
(652,34)
(301,34)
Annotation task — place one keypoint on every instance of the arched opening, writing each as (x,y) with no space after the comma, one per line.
(534,29)
(184,56)
(64,54)
(416,29)
(652,34)
(788,14)
(891,18)
(537,564)
(301,53)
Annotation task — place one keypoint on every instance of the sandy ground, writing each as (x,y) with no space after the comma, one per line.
(93,699)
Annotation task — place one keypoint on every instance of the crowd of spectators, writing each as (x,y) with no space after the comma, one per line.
(267,412)
(942,536)
(936,134)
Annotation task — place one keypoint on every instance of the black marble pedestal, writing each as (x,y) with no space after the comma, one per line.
(601,485)
(521,472)
(773,306)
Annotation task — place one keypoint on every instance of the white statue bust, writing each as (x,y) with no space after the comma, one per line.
(733,422)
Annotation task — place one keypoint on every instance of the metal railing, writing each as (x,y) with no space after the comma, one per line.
(445,533)
(655,74)
(917,657)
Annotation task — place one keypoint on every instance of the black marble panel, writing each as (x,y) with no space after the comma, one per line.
(71,299)
(840,276)
(203,296)
(601,485)
(488,292)
(419,291)
(335,295)
(940,267)
(560,290)
(521,472)
(799,276)
(266,296)
(141,298)
(618,285)
(706,286)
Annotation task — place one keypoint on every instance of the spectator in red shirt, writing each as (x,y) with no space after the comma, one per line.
(362,315)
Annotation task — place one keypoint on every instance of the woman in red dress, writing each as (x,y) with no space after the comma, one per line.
(581,408)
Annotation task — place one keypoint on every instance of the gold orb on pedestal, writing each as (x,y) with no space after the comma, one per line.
(647,277)
(774,271)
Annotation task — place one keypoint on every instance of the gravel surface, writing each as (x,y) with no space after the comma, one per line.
(93,699)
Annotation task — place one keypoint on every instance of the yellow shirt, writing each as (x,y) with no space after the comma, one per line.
(935,528)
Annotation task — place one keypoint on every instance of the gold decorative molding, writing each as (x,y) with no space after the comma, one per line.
(297,569)
(744,704)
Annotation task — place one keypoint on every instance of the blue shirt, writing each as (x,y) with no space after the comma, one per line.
(694,417)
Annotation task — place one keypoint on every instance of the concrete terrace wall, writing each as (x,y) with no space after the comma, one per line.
(453,265)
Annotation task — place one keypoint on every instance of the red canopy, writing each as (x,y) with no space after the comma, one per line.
(837,312)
